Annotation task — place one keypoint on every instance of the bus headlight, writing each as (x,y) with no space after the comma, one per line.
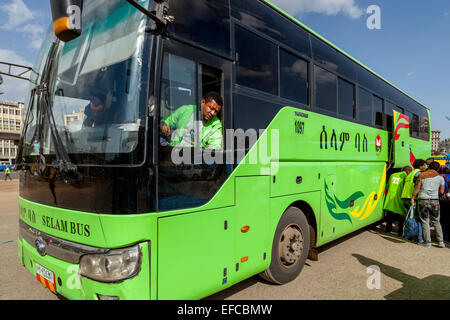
(116,265)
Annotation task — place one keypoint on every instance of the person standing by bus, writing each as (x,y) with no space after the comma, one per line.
(419,166)
(7,173)
(394,204)
(428,187)
(444,202)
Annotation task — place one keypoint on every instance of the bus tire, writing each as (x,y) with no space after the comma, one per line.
(290,247)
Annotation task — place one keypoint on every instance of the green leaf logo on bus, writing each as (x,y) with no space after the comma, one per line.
(339,209)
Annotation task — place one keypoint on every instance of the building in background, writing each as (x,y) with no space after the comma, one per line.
(10,129)
(444,146)
(435,141)
(73,117)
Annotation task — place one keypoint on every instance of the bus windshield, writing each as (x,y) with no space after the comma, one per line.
(97,90)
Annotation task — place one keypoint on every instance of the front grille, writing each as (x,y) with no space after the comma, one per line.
(55,247)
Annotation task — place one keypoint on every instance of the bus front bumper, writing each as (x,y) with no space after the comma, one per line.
(62,277)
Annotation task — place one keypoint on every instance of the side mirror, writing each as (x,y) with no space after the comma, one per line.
(66,16)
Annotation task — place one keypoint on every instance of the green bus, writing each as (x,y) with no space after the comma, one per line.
(111,208)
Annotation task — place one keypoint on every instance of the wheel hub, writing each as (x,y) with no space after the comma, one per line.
(291,245)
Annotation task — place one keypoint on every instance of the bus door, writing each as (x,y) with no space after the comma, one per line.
(401,144)
(196,247)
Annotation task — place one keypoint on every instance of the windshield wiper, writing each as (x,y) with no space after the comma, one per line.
(44,112)
(62,157)
(64,163)
(45,75)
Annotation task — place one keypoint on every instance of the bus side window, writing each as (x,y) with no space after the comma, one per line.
(212,129)
(185,115)
(178,101)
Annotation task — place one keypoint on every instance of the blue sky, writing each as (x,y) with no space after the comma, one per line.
(411,50)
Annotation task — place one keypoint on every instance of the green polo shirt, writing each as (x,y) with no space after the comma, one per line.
(394,202)
(182,124)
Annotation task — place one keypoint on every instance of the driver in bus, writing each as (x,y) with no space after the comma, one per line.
(179,127)
(95,111)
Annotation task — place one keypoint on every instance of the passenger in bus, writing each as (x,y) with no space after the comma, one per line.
(96,112)
(179,127)
(428,187)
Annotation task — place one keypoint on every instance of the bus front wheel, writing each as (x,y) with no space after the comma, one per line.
(290,247)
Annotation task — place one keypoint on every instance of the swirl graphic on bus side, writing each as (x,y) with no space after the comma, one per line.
(338,209)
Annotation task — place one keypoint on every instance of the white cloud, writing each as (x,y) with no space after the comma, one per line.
(13,89)
(18,14)
(35,33)
(328,7)
(410,74)
(13,57)
(21,19)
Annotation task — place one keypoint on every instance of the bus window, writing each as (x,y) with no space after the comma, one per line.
(293,77)
(204,23)
(389,115)
(410,116)
(425,128)
(415,125)
(211,105)
(180,125)
(389,109)
(378,105)
(257,62)
(262,18)
(365,107)
(332,59)
(211,80)
(346,92)
(191,109)
(178,101)
(325,89)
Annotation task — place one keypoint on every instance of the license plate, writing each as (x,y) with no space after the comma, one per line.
(46,277)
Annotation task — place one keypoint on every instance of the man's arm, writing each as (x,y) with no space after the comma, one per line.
(442,186)
(170,122)
(416,191)
(173,119)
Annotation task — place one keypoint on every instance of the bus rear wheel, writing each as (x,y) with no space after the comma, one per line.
(290,247)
